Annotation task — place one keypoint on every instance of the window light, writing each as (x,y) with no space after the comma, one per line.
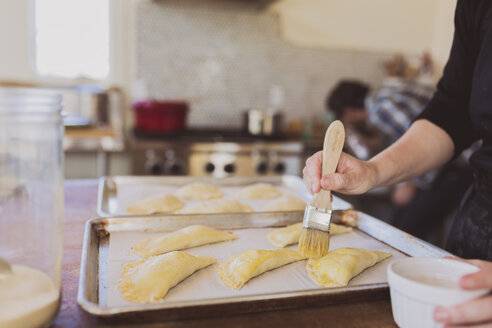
(72,38)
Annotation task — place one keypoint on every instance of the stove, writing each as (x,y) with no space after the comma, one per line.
(217,153)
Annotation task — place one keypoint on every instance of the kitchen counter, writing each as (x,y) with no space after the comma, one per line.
(101,142)
(80,205)
(93,139)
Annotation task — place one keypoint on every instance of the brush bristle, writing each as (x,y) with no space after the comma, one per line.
(313,243)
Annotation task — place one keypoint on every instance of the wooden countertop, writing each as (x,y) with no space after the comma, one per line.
(90,132)
(80,205)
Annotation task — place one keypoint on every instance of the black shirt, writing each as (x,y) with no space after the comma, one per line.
(462,104)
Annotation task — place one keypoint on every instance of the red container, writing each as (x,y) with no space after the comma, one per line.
(160,116)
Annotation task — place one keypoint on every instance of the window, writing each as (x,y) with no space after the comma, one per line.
(72,38)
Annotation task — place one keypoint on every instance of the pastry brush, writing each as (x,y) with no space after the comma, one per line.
(315,236)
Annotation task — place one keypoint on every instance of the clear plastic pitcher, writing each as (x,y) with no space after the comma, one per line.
(31,207)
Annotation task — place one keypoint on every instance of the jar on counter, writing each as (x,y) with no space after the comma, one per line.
(31,207)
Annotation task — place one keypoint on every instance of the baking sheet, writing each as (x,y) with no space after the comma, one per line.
(107,243)
(129,194)
(117,193)
(206,284)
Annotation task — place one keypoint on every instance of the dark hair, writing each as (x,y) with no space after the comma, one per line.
(347,94)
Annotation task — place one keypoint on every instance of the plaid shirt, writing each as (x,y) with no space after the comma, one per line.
(394,106)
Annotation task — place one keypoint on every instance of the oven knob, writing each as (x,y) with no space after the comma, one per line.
(175,169)
(209,167)
(229,168)
(261,168)
(279,168)
(155,168)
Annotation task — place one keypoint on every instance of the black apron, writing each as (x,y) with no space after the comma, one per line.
(471,233)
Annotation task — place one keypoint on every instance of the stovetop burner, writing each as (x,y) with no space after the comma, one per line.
(207,135)
(215,152)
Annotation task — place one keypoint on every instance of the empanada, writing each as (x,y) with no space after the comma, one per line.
(188,237)
(259,191)
(241,268)
(148,281)
(217,206)
(290,234)
(161,204)
(286,203)
(336,268)
(199,191)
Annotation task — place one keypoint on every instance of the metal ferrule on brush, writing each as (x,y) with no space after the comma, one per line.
(317,218)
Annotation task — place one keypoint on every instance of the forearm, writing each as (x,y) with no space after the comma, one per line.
(423,148)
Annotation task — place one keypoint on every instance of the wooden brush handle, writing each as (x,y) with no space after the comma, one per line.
(332,148)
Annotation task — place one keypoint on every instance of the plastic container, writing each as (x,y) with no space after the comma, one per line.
(160,116)
(31,207)
(418,285)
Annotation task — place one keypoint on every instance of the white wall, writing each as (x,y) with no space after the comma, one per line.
(410,27)
(14,40)
(227,56)
(443,32)
(374,25)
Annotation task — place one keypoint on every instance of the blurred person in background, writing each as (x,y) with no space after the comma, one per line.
(459,114)
(374,120)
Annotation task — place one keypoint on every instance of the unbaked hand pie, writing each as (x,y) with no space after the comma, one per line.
(149,280)
(199,191)
(290,234)
(192,236)
(286,203)
(339,266)
(259,191)
(217,206)
(160,204)
(241,268)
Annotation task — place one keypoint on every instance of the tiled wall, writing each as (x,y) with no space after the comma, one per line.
(226,55)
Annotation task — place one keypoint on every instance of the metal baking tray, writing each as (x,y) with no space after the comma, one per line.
(93,284)
(108,205)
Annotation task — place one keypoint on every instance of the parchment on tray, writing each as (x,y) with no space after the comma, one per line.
(130,193)
(206,284)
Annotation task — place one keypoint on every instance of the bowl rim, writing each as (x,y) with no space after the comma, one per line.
(416,289)
(430,259)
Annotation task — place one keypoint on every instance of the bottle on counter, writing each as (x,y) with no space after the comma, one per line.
(31,206)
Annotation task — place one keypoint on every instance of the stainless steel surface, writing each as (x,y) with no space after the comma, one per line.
(317,218)
(95,105)
(114,143)
(262,122)
(107,200)
(98,104)
(104,109)
(93,275)
(217,159)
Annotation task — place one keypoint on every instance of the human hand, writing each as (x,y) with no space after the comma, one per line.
(475,313)
(404,193)
(352,175)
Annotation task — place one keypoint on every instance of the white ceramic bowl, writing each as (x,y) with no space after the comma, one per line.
(418,285)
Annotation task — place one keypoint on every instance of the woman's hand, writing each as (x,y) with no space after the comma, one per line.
(477,312)
(352,176)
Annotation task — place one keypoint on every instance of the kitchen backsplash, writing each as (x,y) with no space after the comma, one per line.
(226,56)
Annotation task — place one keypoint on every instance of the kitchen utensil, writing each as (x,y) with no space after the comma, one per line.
(161,116)
(93,105)
(263,122)
(315,237)
(418,285)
